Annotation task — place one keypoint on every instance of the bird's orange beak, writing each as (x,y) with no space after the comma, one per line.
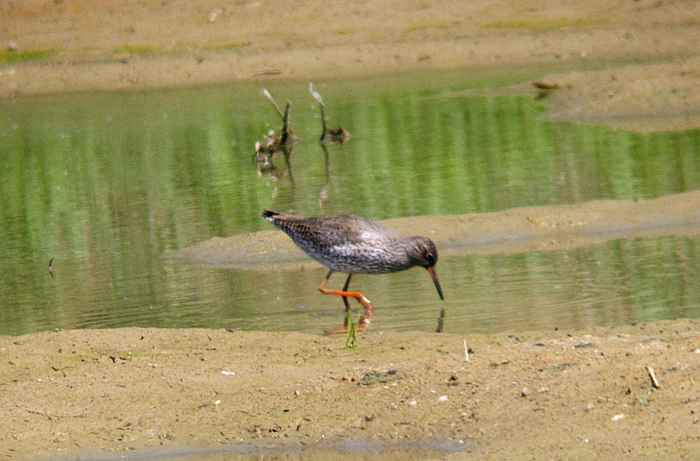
(433,274)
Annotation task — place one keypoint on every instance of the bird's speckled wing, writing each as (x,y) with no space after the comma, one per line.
(345,243)
(333,231)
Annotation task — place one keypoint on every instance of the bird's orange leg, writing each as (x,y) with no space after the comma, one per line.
(345,294)
(366,316)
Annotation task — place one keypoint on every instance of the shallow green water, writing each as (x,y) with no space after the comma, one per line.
(105,184)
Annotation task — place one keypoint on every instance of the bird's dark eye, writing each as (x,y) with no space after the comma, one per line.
(430,258)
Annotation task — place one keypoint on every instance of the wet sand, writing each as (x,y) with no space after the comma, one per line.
(528,395)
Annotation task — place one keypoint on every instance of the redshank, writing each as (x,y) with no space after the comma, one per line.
(356,245)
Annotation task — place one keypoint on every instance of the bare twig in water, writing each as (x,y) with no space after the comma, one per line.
(282,142)
(277,108)
(543,89)
(545,86)
(336,135)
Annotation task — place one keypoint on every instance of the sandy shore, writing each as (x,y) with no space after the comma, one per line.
(642,59)
(537,395)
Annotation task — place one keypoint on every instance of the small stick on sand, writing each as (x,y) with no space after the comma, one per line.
(654,382)
(466,351)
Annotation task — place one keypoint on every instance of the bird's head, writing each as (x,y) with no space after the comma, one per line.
(424,253)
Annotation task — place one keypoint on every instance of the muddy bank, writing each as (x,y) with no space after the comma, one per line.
(641,57)
(530,395)
(523,395)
